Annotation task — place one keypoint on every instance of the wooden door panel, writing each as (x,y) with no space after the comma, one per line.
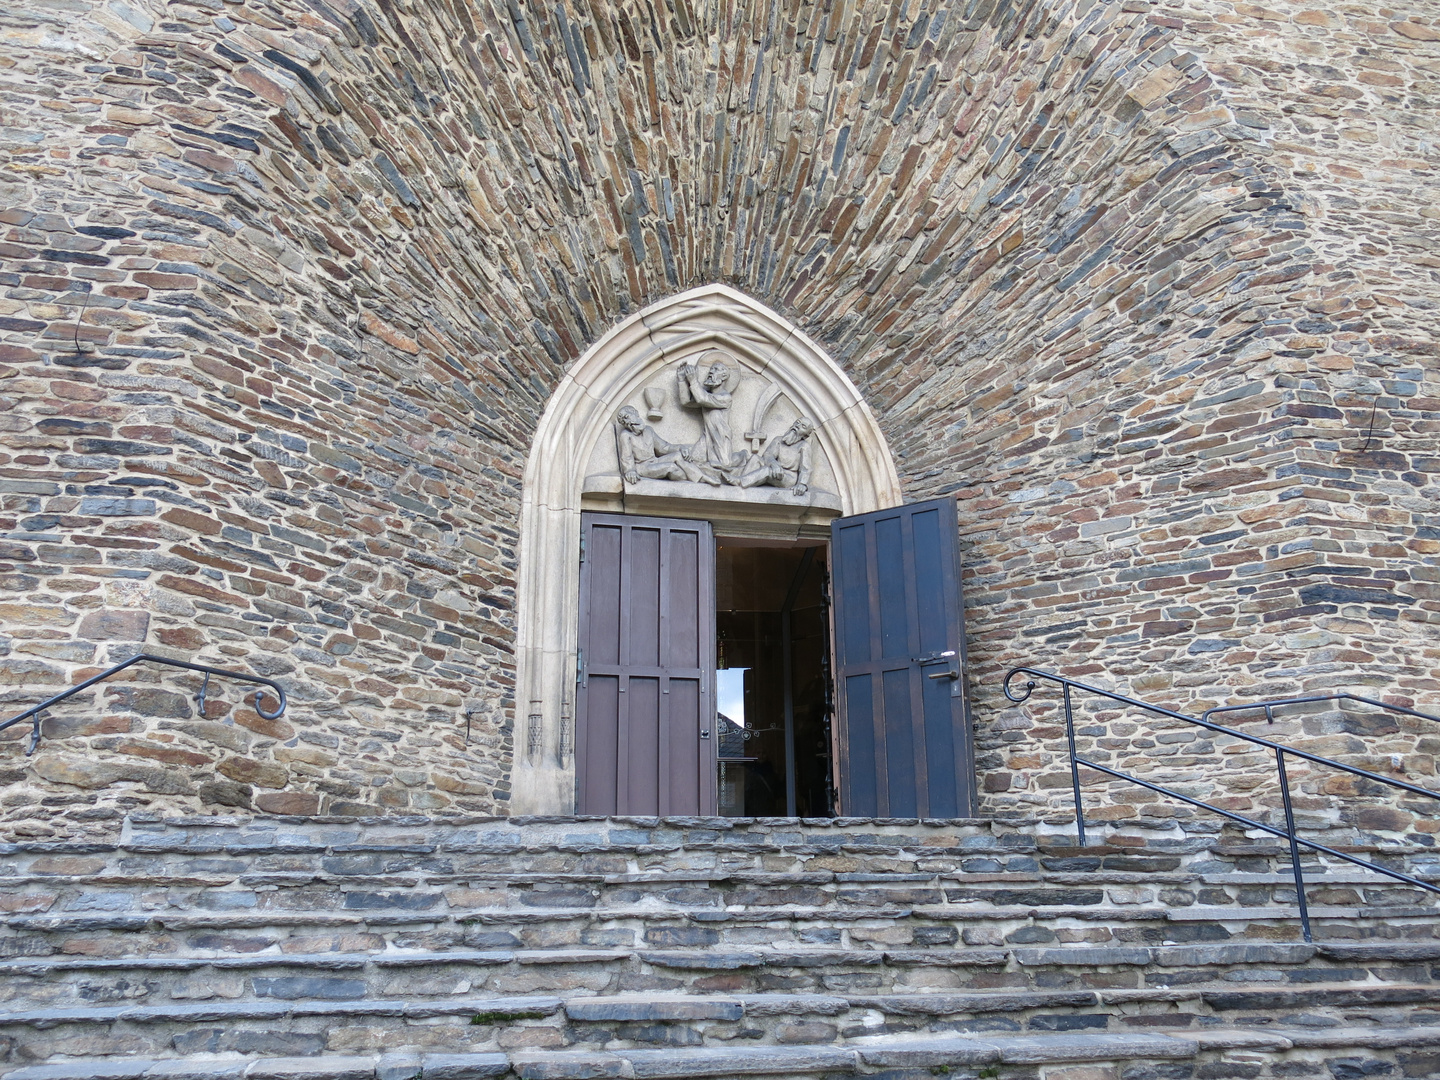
(901,746)
(600,597)
(597,740)
(905,740)
(682,620)
(640,598)
(647,669)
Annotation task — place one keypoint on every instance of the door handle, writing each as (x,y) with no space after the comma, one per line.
(933,658)
(944,675)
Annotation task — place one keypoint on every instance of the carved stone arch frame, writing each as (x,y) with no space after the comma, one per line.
(630,356)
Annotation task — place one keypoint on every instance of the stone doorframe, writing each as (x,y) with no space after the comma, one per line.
(580,412)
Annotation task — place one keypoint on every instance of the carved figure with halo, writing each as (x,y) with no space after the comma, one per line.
(705,387)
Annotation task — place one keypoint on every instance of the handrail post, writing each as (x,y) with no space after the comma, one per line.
(1294,845)
(1074,768)
(1289,832)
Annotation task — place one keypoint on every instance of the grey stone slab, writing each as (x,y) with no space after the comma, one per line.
(960,957)
(1345,996)
(206,1011)
(311,1068)
(76,923)
(814,958)
(1084,955)
(427,959)
(570,956)
(1150,994)
(706,960)
(930,1053)
(512,1008)
(1287,877)
(793,1004)
(1380,950)
(569,1065)
(463,1066)
(654,1008)
(44,1018)
(186,1069)
(83,1070)
(1282,911)
(740,1061)
(1259,952)
(306,987)
(1041,1049)
(1343,1038)
(378,1007)
(1239,1039)
(952,1004)
(406,1065)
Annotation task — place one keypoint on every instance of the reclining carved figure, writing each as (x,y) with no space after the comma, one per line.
(645,455)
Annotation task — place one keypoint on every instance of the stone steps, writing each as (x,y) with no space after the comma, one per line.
(65,981)
(684,947)
(518,884)
(682,926)
(1267,1055)
(718,1023)
(734,887)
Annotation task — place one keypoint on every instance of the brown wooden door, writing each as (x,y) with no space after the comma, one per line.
(645,742)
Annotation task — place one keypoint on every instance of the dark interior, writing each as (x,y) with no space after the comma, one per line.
(772,626)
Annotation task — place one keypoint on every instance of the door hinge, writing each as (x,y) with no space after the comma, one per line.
(582,549)
(580,667)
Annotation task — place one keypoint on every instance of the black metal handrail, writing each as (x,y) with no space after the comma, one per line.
(1288,833)
(35,714)
(1271,705)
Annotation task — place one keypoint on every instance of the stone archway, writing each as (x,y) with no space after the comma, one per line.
(577,419)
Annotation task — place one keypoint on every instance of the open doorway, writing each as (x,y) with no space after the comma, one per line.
(772,679)
(703,669)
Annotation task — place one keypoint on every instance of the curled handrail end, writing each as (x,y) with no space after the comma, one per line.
(35,712)
(279,708)
(1029,685)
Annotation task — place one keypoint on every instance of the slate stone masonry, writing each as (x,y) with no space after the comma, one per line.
(1150,286)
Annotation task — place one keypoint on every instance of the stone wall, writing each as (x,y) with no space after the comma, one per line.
(1253,514)
(287,285)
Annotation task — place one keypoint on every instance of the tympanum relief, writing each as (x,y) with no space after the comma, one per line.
(711,429)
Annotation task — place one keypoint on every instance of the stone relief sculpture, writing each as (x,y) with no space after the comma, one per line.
(643,453)
(701,445)
(786,461)
(705,388)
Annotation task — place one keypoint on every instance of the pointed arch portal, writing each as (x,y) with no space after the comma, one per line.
(777,374)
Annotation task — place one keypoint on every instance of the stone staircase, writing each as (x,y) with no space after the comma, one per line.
(403,947)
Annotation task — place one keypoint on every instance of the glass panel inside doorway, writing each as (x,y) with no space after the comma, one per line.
(772,674)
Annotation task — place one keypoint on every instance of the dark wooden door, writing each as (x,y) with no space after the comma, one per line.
(645,741)
(904,723)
